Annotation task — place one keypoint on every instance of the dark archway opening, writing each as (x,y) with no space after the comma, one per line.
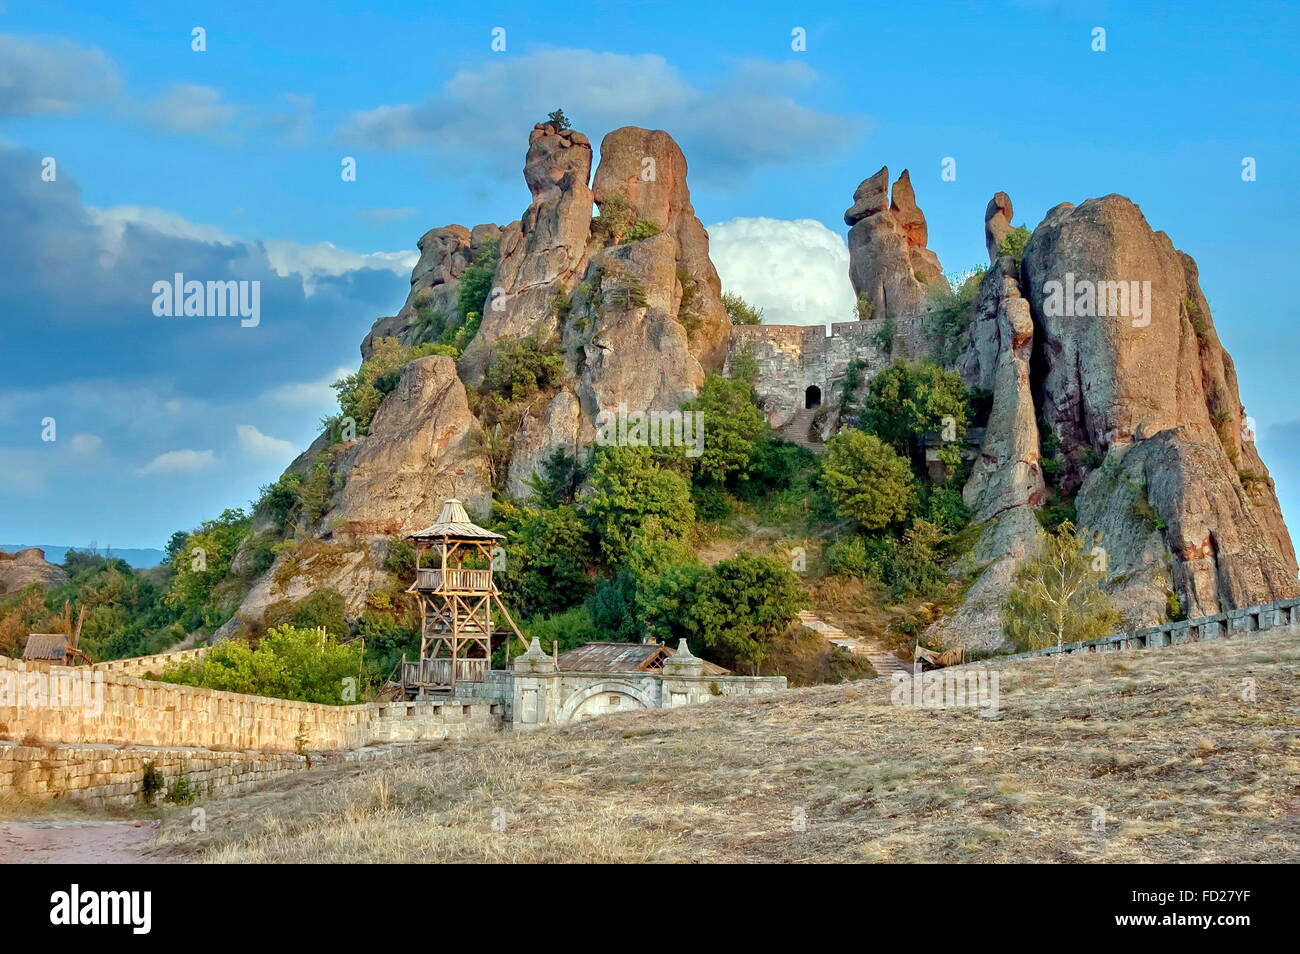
(812,397)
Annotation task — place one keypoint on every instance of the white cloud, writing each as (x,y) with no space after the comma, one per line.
(306,394)
(254,442)
(771,262)
(179,462)
(325,258)
(480,116)
(43,75)
(309,262)
(86,443)
(189,108)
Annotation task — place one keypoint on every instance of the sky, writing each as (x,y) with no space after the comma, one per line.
(127,156)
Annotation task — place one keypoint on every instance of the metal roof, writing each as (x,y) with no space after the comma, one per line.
(46,646)
(454,522)
(623,657)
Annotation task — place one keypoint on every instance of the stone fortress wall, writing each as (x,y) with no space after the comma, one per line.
(793,358)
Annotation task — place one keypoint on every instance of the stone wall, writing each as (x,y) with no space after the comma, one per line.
(142,665)
(113,775)
(1281,615)
(792,358)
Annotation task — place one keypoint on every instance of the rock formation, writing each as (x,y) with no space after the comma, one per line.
(25,567)
(997,223)
(646,323)
(445,253)
(1111,350)
(543,253)
(889,263)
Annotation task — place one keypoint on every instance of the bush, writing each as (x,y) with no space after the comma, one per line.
(1014,243)
(741,605)
(848,557)
(204,562)
(733,428)
(569,629)
(740,311)
(907,400)
(952,311)
(322,608)
(631,494)
(557,480)
(868,482)
(522,367)
(288,663)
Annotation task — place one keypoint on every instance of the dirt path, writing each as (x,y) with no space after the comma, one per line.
(75,842)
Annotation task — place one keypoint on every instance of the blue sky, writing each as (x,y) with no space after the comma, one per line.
(225,163)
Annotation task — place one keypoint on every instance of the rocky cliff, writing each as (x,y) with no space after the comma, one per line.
(1100,345)
(25,567)
(1110,389)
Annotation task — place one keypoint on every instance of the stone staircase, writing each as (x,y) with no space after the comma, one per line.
(796,430)
(885,663)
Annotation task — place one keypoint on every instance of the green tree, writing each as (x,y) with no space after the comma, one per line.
(868,482)
(741,605)
(631,494)
(1057,596)
(1014,242)
(733,428)
(557,481)
(204,561)
(289,662)
(906,400)
(547,563)
(740,311)
(557,119)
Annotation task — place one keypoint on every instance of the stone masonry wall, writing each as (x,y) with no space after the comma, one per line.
(792,358)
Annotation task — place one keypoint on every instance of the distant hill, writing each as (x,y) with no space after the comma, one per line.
(141,559)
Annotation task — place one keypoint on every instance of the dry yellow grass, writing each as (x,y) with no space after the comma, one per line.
(1161,741)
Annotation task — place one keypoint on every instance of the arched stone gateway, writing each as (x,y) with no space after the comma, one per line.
(812,397)
(602,698)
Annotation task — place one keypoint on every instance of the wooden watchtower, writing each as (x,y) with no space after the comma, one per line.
(456,603)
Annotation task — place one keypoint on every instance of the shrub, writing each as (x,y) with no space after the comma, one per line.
(557,119)
(152,783)
(279,501)
(848,557)
(952,309)
(906,400)
(521,368)
(868,482)
(570,629)
(557,481)
(1014,243)
(741,605)
(288,663)
(740,311)
(632,493)
(204,561)
(323,608)
(733,428)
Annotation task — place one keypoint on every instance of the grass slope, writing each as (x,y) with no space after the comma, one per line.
(1160,740)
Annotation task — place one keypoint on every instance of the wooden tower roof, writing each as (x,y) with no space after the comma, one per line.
(453,524)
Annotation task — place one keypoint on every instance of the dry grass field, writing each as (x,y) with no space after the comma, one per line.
(1164,745)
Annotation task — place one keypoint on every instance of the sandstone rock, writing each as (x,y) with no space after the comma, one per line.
(646,323)
(25,567)
(419,453)
(445,253)
(888,261)
(1144,401)
(543,253)
(997,223)
(627,156)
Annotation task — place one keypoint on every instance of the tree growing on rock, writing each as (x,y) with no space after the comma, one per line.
(557,119)
(1058,597)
